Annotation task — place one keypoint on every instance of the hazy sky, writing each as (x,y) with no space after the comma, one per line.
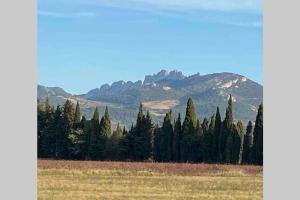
(83,44)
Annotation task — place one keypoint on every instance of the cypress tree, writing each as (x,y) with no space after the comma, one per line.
(112,150)
(248,143)
(258,137)
(216,136)
(208,140)
(77,115)
(177,138)
(199,142)
(189,139)
(67,124)
(47,140)
(228,148)
(166,139)
(147,134)
(82,122)
(93,137)
(104,135)
(226,129)
(156,144)
(238,141)
(105,124)
(142,135)
(60,137)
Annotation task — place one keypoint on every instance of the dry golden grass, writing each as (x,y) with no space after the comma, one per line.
(161,105)
(87,180)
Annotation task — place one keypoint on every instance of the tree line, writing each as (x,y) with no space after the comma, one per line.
(63,133)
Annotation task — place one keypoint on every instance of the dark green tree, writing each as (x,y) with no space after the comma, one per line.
(105,124)
(93,137)
(77,115)
(157,156)
(237,145)
(216,135)
(142,136)
(112,150)
(226,130)
(64,144)
(166,139)
(189,139)
(258,137)
(177,138)
(208,139)
(248,144)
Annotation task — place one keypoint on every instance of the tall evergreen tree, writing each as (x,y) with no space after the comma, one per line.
(238,140)
(147,134)
(112,150)
(66,128)
(216,136)
(189,139)
(166,139)
(248,144)
(226,130)
(208,140)
(199,141)
(156,143)
(142,135)
(93,137)
(258,137)
(77,115)
(177,138)
(105,124)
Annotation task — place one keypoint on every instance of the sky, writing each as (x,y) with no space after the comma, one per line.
(83,44)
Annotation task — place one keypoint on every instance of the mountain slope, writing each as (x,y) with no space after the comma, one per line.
(167,90)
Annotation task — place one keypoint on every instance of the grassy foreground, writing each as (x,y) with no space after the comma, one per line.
(68,180)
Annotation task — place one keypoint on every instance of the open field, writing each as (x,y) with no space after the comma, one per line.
(123,180)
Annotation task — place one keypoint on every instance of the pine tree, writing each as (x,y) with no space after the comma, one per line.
(258,137)
(177,138)
(248,144)
(189,139)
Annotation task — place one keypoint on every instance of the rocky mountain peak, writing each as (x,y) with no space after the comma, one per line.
(164,75)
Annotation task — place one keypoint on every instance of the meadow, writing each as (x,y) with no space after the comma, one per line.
(91,180)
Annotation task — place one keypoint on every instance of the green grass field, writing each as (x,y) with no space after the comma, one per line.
(82,180)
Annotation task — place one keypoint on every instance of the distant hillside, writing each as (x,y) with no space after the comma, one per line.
(167,90)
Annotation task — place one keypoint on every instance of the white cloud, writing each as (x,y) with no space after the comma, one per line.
(50,14)
(65,14)
(184,5)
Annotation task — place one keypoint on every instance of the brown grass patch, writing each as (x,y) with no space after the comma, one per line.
(185,169)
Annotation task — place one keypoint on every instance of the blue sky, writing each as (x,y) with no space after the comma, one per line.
(83,44)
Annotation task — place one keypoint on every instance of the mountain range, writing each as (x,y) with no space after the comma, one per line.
(164,91)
